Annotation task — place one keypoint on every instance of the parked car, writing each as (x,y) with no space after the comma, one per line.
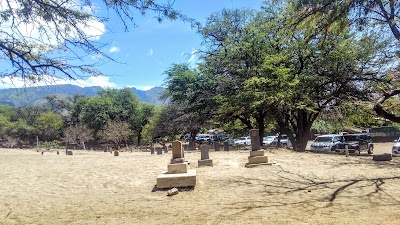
(270,141)
(205,137)
(328,142)
(396,148)
(357,143)
(221,137)
(230,141)
(243,141)
(285,142)
(185,137)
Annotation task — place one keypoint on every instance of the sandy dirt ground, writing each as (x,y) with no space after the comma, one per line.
(99,188)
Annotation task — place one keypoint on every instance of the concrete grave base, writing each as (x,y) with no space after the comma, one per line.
(178,168)
(249,165)
(257,153)
(382,157)
(258,159)
(171,180)
(177,160)
(205,162)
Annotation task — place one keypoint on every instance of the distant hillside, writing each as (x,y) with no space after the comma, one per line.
(21,97)
(151,96)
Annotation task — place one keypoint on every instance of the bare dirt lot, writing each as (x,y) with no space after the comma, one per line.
(98,188)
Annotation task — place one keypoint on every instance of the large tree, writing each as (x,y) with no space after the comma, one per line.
(190,92)
(233,58)
(143,115)
(292,76)
(381,16)
(111,104)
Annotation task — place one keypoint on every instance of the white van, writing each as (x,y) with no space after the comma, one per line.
(328,142)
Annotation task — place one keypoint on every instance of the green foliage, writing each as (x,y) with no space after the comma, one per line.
(273,71)
(377,18)
(48,125)
(144,114)
(111,104)
(191,106)
(51,145)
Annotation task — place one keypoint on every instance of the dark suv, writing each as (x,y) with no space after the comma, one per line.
(357,143)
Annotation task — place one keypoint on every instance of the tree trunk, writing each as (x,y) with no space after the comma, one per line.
(301,128)
(66,147)
(261,127)
(83,145)
(192,140)
(139,138)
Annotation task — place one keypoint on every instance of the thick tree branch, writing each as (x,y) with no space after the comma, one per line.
(384,113)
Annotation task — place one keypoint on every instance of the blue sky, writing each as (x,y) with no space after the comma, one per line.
(148,50)
(153,47)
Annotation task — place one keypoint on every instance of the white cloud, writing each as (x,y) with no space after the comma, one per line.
(114,49)
(97,56)
(145,88)
(193,57)
(44,34)
(141,87)
(150,52)
(35,81)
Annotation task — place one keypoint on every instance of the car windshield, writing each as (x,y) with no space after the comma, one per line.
(242,138)
(351,138)
(269,138)
(324,139)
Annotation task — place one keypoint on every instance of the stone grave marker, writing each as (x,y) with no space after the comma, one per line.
(216,146)
(159,150)
(255,140)
(177,150)
(205,158)
(178,174)
(257,156)
(165,148)
(116,153)
(152,150)
(226,146)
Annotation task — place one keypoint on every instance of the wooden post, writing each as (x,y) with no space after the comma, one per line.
(346,150)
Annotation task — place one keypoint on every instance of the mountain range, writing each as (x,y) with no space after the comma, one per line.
(22,97)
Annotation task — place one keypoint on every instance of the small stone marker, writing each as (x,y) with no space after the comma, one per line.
(205,161)
(192,145)
(152,150)
(346,150)
(173,191)
(116,153)
(255,140)
(69,152)
(216,146)
(165,148)
(226,146)
(204,151)
(159,150)
(382,157)
(42,152)
(58,152)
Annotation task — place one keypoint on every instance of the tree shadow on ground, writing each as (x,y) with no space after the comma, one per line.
(292,189)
